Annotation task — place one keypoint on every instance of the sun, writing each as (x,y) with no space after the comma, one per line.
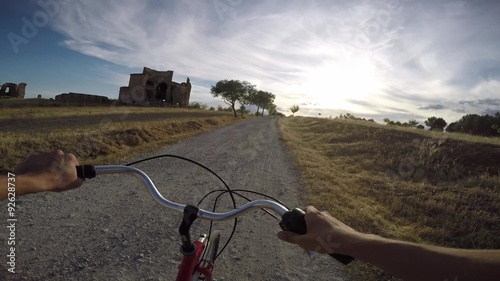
(332,85)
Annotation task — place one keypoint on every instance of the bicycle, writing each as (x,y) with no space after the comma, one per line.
(194,265)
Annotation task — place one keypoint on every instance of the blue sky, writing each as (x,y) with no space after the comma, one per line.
(400,59)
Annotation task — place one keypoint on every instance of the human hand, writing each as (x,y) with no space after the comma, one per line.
(49,171)
(325,234)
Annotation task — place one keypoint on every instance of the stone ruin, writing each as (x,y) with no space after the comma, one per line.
(12,90)
(153,87)
(79,97)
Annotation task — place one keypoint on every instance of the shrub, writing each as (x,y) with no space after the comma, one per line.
(198,105)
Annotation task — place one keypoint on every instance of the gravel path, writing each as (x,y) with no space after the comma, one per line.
(111,229)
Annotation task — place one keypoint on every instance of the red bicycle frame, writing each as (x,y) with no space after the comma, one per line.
(189,262)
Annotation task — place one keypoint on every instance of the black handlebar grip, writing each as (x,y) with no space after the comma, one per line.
(85,171)
(294,221)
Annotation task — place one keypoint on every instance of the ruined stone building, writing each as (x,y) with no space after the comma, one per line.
(78,97)
(12,90)
(155,87)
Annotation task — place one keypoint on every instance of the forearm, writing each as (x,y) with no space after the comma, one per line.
(422,262)
(22,184)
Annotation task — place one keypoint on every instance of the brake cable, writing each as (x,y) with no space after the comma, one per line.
(222,192)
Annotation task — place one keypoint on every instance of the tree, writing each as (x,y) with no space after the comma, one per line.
(412,123)
(484,125)
(387,120)
(294,108)
(242,109)
(262,100)
(231,91)
(255,98)
(420,127)
(453,127)
(435,123)
(272,109)
(246,96)
(267,101)
(198,105)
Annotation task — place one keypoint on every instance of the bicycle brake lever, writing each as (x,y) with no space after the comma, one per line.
(294,221)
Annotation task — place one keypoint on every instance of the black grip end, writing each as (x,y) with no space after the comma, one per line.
(85,171)
(342,258)
(294,221)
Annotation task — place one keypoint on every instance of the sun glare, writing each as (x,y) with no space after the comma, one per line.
(333,84)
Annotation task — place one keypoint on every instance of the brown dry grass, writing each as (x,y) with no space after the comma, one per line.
(99,135)
(405,184)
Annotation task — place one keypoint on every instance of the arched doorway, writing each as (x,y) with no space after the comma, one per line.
(161,92)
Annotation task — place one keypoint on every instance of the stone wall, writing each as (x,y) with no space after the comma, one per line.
(12,90)
(78,97)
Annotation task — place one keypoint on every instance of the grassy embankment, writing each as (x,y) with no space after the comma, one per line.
(99,134)
(402,183)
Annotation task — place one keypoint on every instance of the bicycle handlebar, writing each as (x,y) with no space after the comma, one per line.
(86,172)
(292,220)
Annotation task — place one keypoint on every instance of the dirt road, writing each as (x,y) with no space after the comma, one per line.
(111,229)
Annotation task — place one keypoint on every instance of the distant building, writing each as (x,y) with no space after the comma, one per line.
(12,90)
(78,97)
(155,87)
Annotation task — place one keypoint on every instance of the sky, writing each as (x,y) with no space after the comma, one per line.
(401,59)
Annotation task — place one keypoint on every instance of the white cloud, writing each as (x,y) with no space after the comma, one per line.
(321,52)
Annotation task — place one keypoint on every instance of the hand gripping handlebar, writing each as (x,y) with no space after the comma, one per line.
(292,220)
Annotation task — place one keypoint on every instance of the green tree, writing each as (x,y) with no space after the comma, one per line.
(387,120)
(272,109)
(435,123)
(255,97)
(453,127)
(484,125)
(412,123)
(268,100)
(246,96)
(231,92)
(294,108)
(198,105)
(262,100)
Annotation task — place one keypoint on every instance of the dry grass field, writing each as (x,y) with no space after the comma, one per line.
(99,134)
(403,183)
